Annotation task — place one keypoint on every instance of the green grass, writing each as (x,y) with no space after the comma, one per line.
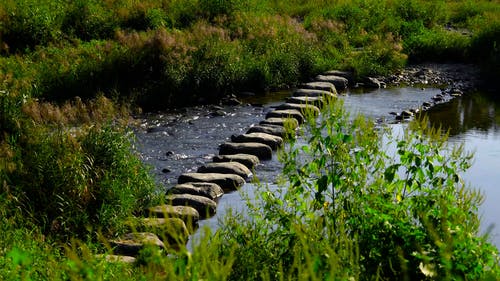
(155,52)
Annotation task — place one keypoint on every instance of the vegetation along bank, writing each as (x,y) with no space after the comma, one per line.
(71,71)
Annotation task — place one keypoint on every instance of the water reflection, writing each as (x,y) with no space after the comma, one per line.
(478,112)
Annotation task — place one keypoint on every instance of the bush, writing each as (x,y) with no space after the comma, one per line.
(350,209)
(73,183)
(486,49)
(30,23)
(438,45)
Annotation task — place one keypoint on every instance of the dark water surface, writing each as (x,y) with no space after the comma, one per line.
(181,141)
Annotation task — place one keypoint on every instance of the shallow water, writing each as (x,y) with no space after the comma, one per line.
(181,141)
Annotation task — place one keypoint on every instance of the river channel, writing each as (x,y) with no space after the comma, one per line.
(180,141)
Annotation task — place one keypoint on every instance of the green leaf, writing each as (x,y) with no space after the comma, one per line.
(390,172)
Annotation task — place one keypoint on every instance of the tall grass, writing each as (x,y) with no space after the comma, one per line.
(157,51)
(73,182)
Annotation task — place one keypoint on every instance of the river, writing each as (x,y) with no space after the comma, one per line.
(180,141)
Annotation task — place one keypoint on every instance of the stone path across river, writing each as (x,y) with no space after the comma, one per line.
(195,196)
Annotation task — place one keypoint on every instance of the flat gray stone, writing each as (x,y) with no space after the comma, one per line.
(303,108)
(275,130)
(312,93)
(206,189)
(339,82)
(346,74)
(263,151)
(273,141)
(284,122)
(317,101)
(205,207)
(131,243)
(286,113)
(323,86)
(226,168)
(189,215)
(228,182)
(250,161)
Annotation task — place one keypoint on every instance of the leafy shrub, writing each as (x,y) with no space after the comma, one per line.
(70,181)
(88,20)
(351,209)
(437,45)
(30,23)
(486,49)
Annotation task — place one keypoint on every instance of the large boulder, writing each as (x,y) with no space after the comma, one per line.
(339,82)
(226,168)
(250,161)
(131,243)
(273,141)
(228,182)
(303,108)
(189,215)
(205,207)
(317,101)
(286,113)
(263,151)
(283,122)
(324,86)
(313,93)
(205,189)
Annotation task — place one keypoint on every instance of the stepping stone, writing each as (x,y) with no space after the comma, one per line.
(273,141)
(317,101)
(339,82)
(303,108)
(189,215)
(228,182)
(116,258)
(290,122)
(346,74)
(205,207)
(312,93)
(250,161)
(206,189)
(226,168)
(324,86)
(263,151)
(275,130)
(172,231)
(131,243)
(286,113)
